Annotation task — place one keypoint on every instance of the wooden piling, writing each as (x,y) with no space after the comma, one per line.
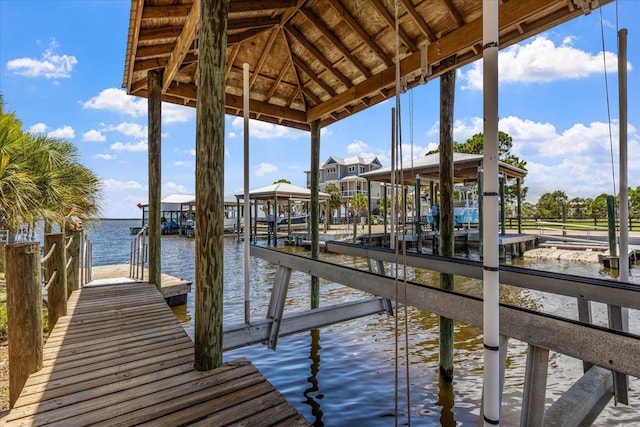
(447,237)
(154,82)
(315,204)
(57,292)
(209,243)
(24,313)
(74,240)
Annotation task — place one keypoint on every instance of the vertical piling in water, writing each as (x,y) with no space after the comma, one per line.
(611,225)
(24,314)
(519,207)
(315,205)
(418,216)
(446,243)
(209,245)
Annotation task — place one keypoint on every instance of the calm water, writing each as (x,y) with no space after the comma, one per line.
(345,374)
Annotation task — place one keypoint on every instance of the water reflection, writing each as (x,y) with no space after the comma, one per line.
(445,400)
(311,392)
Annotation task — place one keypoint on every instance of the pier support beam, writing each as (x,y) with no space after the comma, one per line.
(154,82)
(314,208)
(447,238)
(209,262)
(535,386)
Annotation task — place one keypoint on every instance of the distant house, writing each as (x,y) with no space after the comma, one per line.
(346,175)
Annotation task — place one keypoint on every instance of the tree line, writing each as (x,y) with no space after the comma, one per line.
(557,204)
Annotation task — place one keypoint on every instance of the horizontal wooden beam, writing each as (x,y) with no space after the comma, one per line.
(247,23)
(236,6)
(462,38)
(151,34)
(158,12)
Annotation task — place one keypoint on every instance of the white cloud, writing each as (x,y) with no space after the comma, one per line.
(38,128)
(121,146)
(265,168)
(191,151)
(65,132)
(117,185)
(463,129)
(263,130)
(93,136)
(172,188)
(130,129)
(173,113)
(541,60)
(51,65)
(356,146)
(232,135)
(117,101)
(105,156)
(181,163)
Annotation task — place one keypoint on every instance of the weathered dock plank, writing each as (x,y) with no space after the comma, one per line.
(121,358)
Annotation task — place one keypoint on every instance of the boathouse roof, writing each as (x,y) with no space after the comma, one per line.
(323,59)
(465,169)
(283,191)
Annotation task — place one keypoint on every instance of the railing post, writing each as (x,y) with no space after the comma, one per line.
(24,314)
(57,293)
(73,259)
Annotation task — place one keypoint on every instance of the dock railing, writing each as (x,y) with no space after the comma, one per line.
(608,348)
(139,252)
(26,281)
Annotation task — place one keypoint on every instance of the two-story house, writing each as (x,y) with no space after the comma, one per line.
(345,174)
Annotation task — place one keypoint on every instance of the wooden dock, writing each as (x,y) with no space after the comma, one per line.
(121,358)
(173,289)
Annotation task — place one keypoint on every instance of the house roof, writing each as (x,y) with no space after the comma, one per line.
(465,169)
(282,190)
(323,59)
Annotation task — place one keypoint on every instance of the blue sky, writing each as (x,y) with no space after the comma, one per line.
(62,62)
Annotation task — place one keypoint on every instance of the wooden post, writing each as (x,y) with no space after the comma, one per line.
(154,83)
(502,218)
(73,259)
(446,243)
(418,217)
(384,218)
(275,218)
(24,314)
(519,198)
(369,208)
(315,238)
(57,293)
(209,262)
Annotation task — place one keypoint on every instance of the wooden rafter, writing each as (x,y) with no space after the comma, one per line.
(299,63)
(237,6)
(263,56)
(318,55)
(419,20)
(151,34)
(454,12)
(456,41)
(183,45)
(355,26)
(134,42)
(248,23)
(335,41)
(238,38)
(158,12)
(145,52)
(276,83)
(391,22)
(233,52)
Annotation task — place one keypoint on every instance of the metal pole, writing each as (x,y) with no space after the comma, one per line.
(418,218)
(490,322)
(624,185)
(247,208)
(392,233)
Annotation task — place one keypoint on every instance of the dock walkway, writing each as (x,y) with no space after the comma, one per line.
(121,358)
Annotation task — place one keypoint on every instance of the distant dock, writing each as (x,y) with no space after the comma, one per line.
(173,289)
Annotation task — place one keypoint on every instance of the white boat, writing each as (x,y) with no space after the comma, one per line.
(298,221)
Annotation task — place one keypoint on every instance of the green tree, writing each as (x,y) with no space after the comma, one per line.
(550,204)
(598,207)
(358,205)
(41,178)
(474,145)
(335,198)
(634,202)
(286,181)
(577,208)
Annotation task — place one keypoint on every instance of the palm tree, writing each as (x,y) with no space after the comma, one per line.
(41,178)
(359,204)
(335,198)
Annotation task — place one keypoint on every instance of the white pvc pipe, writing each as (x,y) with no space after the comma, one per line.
(392,234)
(247,207)
(490,321)
(624,185)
